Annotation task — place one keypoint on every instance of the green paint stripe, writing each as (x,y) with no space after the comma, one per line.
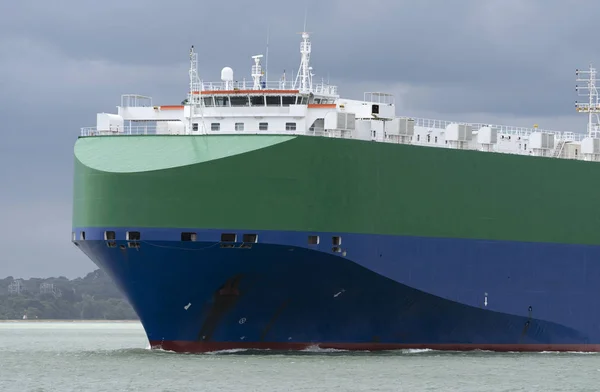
(337,185)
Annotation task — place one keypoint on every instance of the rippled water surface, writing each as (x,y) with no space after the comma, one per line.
(89,356)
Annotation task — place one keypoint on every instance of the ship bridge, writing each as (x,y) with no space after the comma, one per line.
(303,107)
(260,92)
(281,93)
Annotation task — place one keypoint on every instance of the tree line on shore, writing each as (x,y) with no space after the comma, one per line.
(93,297)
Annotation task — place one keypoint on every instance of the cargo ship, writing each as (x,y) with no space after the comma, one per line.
(280,215)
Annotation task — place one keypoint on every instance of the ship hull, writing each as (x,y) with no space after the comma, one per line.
(441,249)
(281,293)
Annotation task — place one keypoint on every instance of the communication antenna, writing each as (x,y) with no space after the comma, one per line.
(589,90)
(267,55)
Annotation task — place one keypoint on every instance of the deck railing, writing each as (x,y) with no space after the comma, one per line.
(318,88)
(502,129)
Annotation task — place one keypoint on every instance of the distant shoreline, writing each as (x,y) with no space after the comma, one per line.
(68,321)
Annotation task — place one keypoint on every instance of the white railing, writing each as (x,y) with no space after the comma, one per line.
(164,129)
(133,130)
(504,129)
(135,101)
(155,130)
(321,88)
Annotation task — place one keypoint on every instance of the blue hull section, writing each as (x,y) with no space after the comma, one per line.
(374,290)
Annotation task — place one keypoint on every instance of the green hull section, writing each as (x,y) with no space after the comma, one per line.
(309,183)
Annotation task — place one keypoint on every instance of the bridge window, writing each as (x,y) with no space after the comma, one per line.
(304,101)
(291,126)
(208,102)
(287,101)
(274,101)
(239,126)
(195,127)
(257,100)
(215,126)
(239,100)
(317,100)
(221,101)
(263,126)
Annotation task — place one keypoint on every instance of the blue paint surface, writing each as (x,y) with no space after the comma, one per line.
(382,289)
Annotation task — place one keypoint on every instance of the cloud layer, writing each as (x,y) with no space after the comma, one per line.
(501,61)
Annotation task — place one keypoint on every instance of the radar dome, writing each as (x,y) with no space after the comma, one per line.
(227,74)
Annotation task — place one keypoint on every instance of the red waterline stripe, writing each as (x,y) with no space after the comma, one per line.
(201,347)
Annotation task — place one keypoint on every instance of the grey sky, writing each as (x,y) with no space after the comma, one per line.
(501,61)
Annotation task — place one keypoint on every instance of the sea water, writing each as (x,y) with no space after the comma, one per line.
(114,356)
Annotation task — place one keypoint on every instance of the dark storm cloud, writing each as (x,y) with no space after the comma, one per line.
(62,62)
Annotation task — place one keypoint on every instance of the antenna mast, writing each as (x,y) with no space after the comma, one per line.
(304,77)
(257,72)
(194,96)
(592,107)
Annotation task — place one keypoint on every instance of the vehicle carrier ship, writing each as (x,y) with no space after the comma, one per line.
(280,215)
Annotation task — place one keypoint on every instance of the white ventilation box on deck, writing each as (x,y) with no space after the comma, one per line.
(340,120)
(541,140)
(170,128)
(459,132)
(590,145)
(487,136)
(363,130)
(401,127)
(106,122)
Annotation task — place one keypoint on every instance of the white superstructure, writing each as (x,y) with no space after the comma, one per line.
(303,107)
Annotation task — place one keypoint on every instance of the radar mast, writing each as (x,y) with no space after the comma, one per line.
(592,107)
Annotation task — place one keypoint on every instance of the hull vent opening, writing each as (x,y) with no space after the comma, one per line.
(228,240)
(133,237)
(250,238)
(336,240)
(82,236)
(313,240)
(109,237)
(189,237)
(228,237)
